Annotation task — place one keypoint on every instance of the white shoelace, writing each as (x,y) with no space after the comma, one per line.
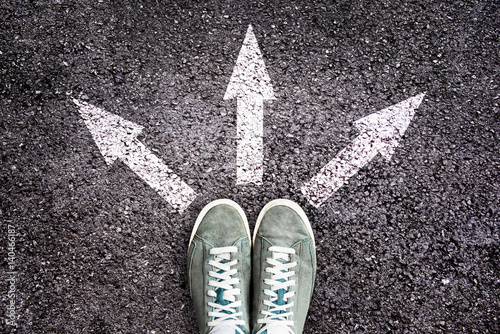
(277,315)
(224,315)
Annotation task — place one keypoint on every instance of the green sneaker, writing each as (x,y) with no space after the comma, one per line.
(284,269)
(219,265)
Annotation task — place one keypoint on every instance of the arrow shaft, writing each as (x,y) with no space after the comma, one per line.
(340,169)
(157,175)
(250,130)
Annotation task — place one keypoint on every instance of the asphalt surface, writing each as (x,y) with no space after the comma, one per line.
(406,246)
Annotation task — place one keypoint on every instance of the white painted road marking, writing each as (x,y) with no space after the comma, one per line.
(116,139)
(381,133)
(250,85)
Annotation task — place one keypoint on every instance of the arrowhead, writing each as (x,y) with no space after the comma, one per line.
(249,74)
(388,125)
(111,133)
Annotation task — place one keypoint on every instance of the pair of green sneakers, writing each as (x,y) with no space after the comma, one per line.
(280,261)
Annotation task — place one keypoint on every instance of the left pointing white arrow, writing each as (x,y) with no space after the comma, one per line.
(250,85)
(116,138)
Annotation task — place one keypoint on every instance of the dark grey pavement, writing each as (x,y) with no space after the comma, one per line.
(406,246)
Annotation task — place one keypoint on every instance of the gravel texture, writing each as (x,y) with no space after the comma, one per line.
(406,246)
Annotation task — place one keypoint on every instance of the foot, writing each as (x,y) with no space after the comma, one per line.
(219,269)
(284,269)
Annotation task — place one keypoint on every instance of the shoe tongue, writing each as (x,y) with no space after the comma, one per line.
(225,330)
(277,330)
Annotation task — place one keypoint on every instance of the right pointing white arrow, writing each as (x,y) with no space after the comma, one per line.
(381,133)
(250,85)
(116,139)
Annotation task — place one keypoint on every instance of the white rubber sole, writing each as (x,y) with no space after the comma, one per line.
(213,204)
(292,205)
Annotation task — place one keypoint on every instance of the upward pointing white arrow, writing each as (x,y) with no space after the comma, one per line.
(250,85)
(116,139)
(380,132)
